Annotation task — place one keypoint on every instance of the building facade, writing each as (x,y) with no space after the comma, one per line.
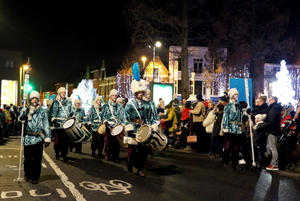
(203,64)
(10,77)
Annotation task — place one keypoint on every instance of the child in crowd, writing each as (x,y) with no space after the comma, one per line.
(260,139)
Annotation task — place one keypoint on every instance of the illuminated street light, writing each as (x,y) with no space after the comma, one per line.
(157,44)
(143,60)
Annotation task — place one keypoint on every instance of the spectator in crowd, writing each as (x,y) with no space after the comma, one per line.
(259,139)
(169,123)
(161,108)
(198,113)
(272,127)
(217,132)
(208,123)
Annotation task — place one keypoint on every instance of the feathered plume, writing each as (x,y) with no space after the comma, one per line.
(136,71)
(52,97)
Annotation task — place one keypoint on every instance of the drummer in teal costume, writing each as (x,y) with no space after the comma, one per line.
(113,114)
(80,118)
(138,113)
(37,133)
(60,111)
(94,120)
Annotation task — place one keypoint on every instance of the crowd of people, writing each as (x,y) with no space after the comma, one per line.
(222,129)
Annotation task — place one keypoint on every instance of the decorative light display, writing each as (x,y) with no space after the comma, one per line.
(282,88)
(86,92)
(124,80)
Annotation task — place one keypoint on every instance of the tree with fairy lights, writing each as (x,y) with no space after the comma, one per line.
(283,87)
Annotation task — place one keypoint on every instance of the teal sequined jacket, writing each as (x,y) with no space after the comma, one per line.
(113,113)
(94,117)
(37,122)
(232,118)
(60,111)
(79,115)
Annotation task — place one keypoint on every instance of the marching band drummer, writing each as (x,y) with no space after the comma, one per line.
(94,120)
(61,109)
(79,115)
(113,114)
(138,112)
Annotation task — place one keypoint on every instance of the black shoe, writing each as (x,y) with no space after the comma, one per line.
(35,181)
(57,156)
(93,153)
(65,158)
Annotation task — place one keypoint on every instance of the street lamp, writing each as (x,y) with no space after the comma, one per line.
(143,60)
(157,44)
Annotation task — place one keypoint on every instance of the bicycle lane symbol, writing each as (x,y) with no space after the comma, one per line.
(114,186)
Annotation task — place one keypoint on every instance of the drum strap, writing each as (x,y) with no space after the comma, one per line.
(112,111)
(136,109)
(63,108)
(97,112)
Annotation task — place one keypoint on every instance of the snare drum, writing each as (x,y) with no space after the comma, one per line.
(118,133)
(143,133)
(73,130)
(87,132)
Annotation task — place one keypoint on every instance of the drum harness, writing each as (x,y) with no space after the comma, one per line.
(61,118)
(140,121)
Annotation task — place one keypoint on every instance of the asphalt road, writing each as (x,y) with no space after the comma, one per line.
(170,175)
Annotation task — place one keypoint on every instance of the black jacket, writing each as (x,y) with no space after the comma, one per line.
(273,119)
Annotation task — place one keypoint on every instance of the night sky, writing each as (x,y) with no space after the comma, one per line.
(62,38)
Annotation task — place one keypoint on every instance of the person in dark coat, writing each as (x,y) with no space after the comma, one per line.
(272,128)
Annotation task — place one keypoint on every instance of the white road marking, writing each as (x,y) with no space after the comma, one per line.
(61,193)
(65,180)
(44,165)
(1,156)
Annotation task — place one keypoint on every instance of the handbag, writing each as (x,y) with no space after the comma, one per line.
(192,139)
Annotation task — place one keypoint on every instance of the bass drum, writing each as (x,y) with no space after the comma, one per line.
(73,130)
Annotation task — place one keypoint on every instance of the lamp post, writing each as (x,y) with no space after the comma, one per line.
(143,60)
(157,44)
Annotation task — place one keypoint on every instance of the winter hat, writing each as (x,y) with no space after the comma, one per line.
(120,100)
(97,98)
(140,85)
(49,102)
(260,117)
(199,97)
(113,92)
(34,94)
(232,92)
(77,101)
(223,98)
(61,89)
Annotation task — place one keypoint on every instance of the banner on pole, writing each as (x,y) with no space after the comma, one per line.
(244,86)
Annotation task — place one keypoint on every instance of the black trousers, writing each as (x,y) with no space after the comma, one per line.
(32,160)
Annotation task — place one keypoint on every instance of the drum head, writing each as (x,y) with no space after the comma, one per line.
(101,129)
(116,130)
(143,133)
(68,123)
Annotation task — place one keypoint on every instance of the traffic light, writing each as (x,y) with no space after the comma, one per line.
(29,88)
